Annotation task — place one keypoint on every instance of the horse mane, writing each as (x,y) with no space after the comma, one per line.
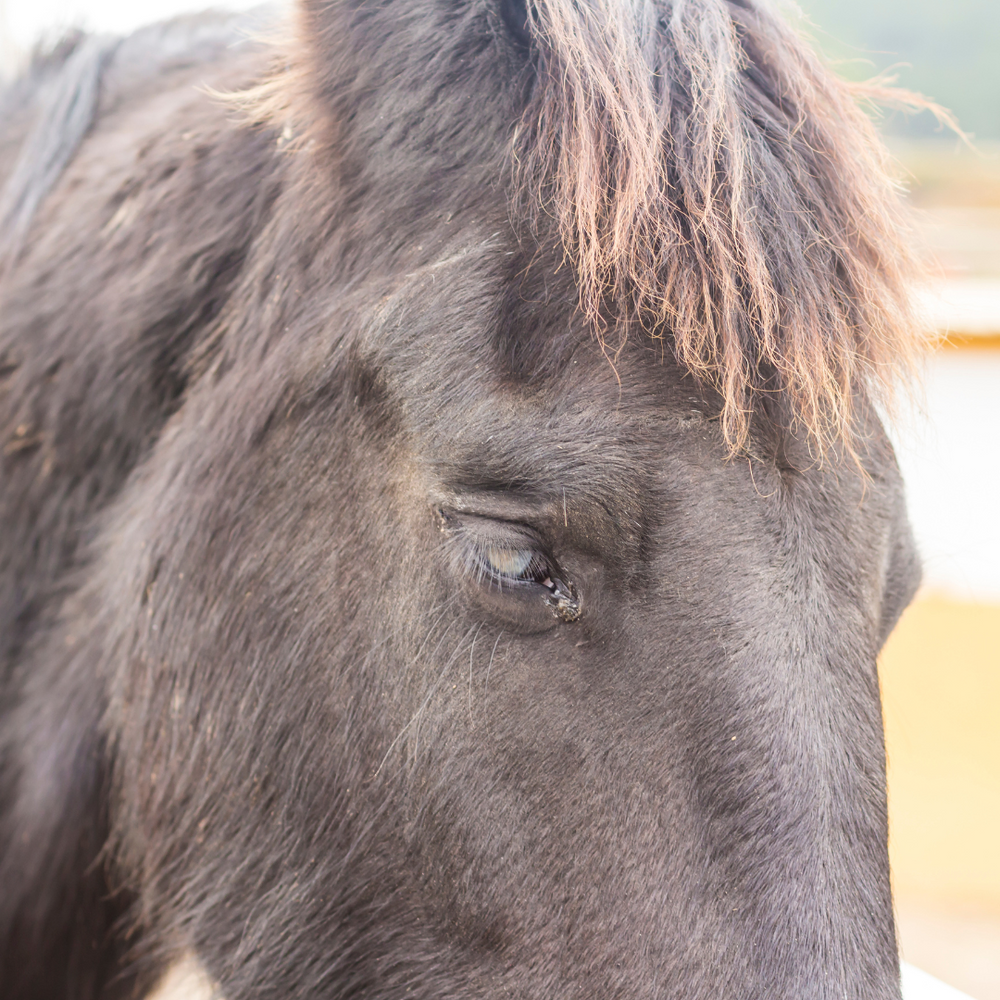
(69,85)
(714,183)
(64,88)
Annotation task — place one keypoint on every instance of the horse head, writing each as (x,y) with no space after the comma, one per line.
(500,532)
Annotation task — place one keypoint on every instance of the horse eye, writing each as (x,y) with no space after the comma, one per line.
(507,562)
(511,566)
(506,565)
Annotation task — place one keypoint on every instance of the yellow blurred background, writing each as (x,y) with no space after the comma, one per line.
(940,689)
(940,670)
(941,696)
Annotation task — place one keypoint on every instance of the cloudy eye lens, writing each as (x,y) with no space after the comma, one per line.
(511,563)
(506,564)
(504,558)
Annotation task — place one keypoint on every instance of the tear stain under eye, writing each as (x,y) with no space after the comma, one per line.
(565,603)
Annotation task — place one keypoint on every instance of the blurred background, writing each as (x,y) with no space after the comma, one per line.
(941,668)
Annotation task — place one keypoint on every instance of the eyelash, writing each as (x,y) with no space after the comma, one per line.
(507,565)
(503,564)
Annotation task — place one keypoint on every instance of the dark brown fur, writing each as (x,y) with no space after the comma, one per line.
(276,397)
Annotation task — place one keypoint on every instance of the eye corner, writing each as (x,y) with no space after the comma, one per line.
(445,522)
(565,602)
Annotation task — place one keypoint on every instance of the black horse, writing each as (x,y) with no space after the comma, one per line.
(447,529)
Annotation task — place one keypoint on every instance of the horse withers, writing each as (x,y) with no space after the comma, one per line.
(447,527)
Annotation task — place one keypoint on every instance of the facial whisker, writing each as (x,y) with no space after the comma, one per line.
(486,687)
(416,715)
(472,650)
(442,607)
(436,685)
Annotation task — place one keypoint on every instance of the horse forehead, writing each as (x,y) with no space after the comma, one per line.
(461,400)
(482,339)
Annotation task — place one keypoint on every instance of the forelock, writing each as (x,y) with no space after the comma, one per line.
(715,185)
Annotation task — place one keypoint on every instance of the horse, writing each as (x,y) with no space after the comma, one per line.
(449,524)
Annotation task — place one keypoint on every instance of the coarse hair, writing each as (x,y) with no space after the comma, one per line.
(716,185)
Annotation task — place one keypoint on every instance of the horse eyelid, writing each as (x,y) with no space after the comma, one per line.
(508,565)
(501,561)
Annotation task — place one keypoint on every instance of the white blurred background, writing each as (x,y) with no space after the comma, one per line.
(29,20)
